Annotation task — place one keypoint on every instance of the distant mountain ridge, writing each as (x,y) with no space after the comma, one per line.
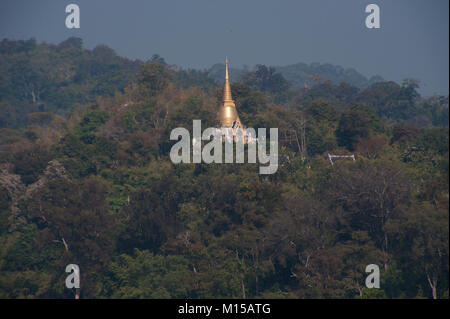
(302,74)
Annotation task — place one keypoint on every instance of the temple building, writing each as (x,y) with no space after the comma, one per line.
(228,115)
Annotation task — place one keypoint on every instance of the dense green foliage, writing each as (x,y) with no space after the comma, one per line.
(46,77)
(305,75)
(96,187)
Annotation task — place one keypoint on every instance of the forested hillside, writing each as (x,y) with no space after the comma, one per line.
(56,78)
(86,179)
(302,74)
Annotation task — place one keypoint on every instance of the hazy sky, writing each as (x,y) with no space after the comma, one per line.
(412,41)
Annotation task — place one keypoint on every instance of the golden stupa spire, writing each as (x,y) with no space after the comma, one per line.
(226,68)
(228,113)
(227,89)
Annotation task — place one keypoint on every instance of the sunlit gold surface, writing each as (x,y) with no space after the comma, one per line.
(228,113)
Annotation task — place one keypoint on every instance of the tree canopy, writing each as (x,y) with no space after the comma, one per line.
(86,178)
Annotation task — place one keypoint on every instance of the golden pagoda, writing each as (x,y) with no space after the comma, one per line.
(228,115)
